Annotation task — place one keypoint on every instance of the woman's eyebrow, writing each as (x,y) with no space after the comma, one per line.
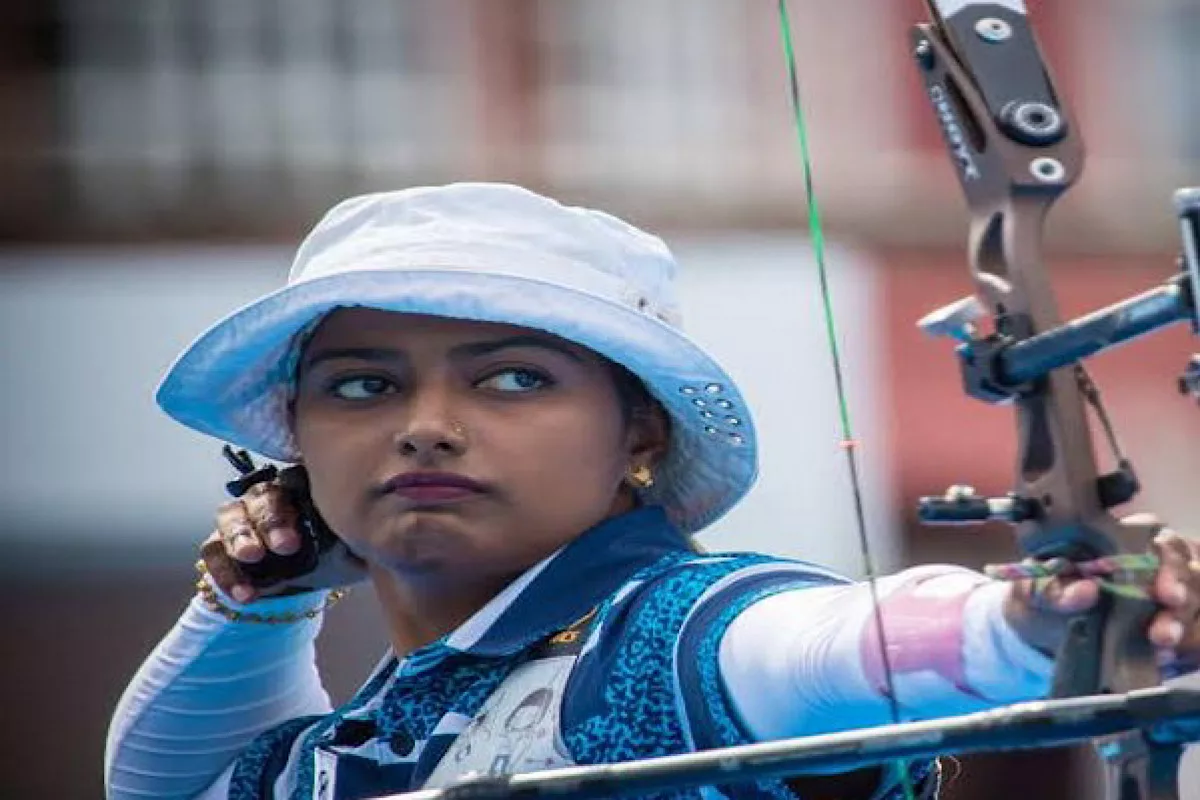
(359,353)
(469,350)
(474,349)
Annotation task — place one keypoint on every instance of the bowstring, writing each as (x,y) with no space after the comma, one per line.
(849,444)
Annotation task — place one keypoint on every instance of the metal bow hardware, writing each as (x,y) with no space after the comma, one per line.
(1016,150)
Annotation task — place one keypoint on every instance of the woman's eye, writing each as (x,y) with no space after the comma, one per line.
(363,387)
(516,380)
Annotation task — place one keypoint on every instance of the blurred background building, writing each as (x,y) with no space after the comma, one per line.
(158,158)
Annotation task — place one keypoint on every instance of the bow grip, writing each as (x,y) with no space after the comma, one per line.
(1106,650)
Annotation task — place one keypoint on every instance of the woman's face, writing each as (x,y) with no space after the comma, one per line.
(443,448)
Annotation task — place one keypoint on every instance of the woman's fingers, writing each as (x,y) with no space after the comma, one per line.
(1174,629)
(241,540)
(258,549)
(1166,630)
(223,568)
(1176,587)
(1058,595)
(1077,595)
(263,520)
(1171,580)
(273,518)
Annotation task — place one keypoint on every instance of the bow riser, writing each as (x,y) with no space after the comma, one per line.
(1011,182)
(1017,150)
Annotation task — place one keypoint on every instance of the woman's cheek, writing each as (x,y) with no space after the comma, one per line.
(340,505)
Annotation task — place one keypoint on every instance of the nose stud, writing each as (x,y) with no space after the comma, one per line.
(453,437)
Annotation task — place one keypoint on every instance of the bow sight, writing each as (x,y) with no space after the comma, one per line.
(998,367)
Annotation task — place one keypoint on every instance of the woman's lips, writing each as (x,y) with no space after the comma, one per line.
(432,494)
(433,488)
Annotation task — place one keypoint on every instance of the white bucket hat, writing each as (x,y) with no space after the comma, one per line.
(493,253)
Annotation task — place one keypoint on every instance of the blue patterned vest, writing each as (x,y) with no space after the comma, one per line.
(636,678)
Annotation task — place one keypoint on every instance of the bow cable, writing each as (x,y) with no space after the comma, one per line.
(848,442)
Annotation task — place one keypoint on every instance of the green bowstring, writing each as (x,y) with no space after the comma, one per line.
(849,444)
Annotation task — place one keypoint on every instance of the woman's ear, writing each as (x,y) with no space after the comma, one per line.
(649,434)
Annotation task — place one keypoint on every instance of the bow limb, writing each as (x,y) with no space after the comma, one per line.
(1016,151)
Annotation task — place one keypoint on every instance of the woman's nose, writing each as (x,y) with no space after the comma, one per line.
(429,423)
(430,426)
(428,438)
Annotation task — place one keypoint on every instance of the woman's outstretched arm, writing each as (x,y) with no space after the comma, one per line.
(806,661)
(951,653)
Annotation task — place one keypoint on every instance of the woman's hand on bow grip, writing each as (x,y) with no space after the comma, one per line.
(1040,609)
(265,523)
(1175,629)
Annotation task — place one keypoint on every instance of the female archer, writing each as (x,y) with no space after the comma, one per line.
(499,426)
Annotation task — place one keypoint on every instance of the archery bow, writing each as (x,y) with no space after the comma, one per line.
(1016,150)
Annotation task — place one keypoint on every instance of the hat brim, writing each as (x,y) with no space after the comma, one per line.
(232,382)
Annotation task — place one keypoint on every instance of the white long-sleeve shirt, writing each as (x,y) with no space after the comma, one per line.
(205,692)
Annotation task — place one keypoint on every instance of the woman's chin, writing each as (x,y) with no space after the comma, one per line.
(422,542)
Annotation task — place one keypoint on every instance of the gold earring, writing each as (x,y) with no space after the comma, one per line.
(641,477)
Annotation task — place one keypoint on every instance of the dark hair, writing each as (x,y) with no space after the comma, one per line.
(632,395)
